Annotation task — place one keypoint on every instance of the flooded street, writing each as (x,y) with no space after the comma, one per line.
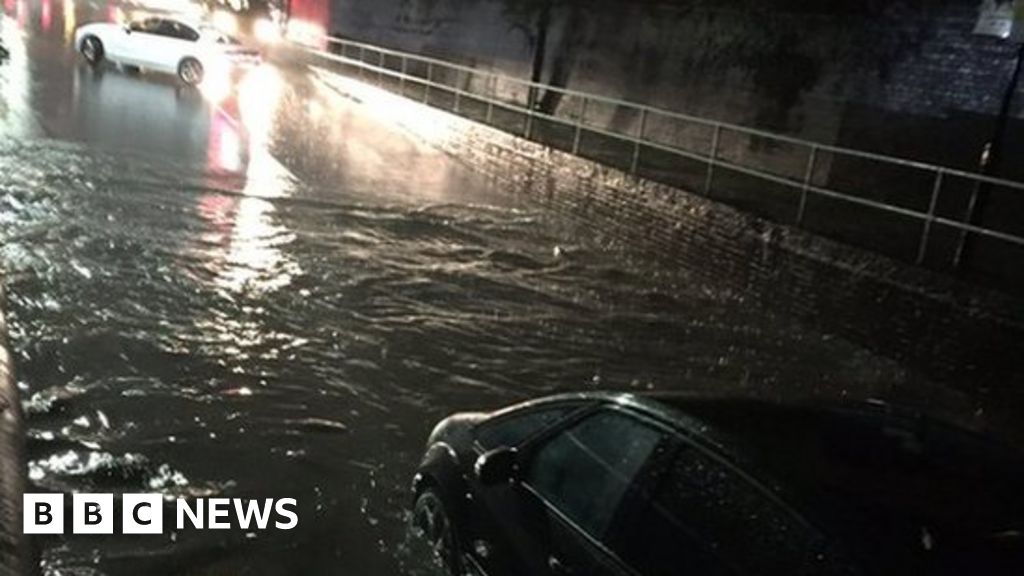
(266,292)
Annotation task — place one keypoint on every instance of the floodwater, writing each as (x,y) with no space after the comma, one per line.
(265,290)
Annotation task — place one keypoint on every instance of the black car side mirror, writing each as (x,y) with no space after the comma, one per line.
(497,466)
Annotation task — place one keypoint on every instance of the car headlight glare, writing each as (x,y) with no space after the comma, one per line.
(266,31)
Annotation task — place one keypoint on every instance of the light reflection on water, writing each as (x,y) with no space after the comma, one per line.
(254,261)
(245,226)
(70,20)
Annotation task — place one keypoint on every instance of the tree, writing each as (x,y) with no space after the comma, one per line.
(534,19)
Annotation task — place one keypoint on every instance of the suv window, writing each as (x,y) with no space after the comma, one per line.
(586,470)
(703,515)
(512,429)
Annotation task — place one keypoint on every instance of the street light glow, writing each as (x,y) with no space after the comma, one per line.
(226,22)
(266,31)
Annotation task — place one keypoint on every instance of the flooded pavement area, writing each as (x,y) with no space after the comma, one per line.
(203,342)
(266,294)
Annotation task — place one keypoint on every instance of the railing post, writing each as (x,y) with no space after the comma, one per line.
(362,55)
(457,91)
(529,115)
(579,126)
(405,71)
(491,98)
(635,165)
(712,157)
(969,215)
(922,248)
(430,80)
(808,178)
(380,70)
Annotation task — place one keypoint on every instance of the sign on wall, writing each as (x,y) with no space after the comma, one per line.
(996,18)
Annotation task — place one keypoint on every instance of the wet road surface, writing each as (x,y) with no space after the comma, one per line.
(263,290)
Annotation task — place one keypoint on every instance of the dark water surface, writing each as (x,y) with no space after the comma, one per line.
(275,294)
(201,341)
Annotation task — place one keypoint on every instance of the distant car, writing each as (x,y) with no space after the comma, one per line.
(164,44)
(609,484)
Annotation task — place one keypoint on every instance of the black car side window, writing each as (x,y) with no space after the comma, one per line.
(703,517)
(586,470)
(511,430)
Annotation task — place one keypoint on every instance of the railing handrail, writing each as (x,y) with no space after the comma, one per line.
(639,107)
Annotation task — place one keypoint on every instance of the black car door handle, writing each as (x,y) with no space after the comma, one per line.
(557,567)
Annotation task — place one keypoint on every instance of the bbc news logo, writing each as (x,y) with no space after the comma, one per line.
(144,514)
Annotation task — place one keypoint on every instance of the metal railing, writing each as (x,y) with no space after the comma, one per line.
(804,169)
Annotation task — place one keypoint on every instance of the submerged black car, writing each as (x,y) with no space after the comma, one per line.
(619,484)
